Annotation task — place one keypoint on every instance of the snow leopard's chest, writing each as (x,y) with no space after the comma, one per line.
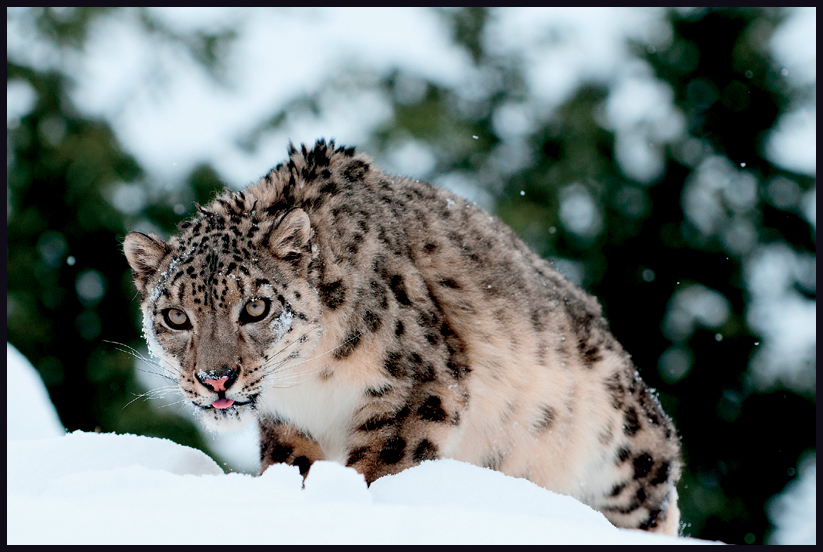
(322,409)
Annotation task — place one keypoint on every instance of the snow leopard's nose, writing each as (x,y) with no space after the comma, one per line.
(218,381)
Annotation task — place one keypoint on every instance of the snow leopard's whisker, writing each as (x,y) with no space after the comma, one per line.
(286,383)
(292,379)
(182,405)
(279,366)
(284,369)
(134,399)
(295,377)
(182,402)
(164,389)
(157,393)
(129,350)
(274,359)
(162,373)
(166,370)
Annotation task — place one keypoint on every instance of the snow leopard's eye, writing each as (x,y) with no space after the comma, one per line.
(176,319)
(254,311)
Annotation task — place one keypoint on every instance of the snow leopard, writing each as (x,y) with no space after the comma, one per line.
(380,322)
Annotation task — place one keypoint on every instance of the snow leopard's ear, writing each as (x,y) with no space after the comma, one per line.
(144,253)
(289,238)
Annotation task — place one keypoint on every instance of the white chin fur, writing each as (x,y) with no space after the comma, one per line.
(231,419)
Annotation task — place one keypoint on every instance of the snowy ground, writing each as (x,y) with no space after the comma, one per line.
(88,488)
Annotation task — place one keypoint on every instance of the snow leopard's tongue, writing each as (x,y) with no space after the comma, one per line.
(222,403)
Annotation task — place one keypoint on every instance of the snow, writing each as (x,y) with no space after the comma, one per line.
(785,319)
(794,510)
(692,307)
(90,488)
(793,141)
(791,46)
(280,325)
(25,388)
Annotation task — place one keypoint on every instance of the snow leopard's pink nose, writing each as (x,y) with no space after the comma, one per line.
(218,384)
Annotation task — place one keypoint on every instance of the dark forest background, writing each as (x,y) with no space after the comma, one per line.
(670,271)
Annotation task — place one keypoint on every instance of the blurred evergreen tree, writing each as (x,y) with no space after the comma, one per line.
(741,444)
(69,292)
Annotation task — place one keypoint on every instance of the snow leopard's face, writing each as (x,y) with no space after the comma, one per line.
(227,308)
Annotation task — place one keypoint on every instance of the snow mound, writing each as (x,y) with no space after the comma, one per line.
(38,465)
(27,394)
(88,488)
(91,488)
(458,484)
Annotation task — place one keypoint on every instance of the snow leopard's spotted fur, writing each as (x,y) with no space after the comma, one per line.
(403,324)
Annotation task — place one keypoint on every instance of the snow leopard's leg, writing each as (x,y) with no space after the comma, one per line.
(282,442)
(639,477)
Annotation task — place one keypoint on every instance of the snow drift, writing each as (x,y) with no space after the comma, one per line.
(88,488)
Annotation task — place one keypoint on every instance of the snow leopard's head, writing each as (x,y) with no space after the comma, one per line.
(227,305)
